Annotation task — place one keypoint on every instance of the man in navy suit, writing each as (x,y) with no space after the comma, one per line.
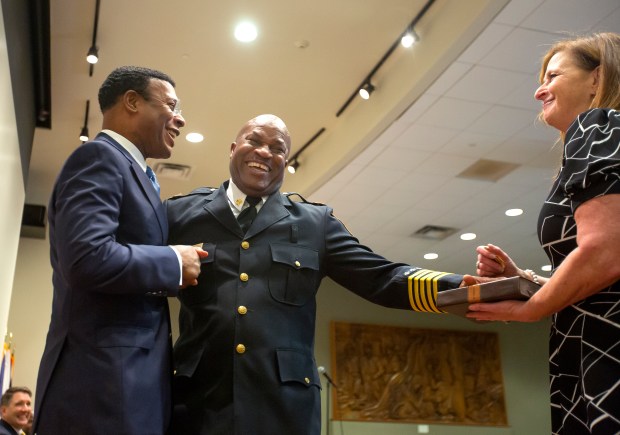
(107,368)
(15,409)
(245,355)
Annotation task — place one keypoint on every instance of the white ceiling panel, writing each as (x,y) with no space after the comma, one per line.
(424,137)
(510,55)
(576,15)
(449,78)
(453,113)
(516,11)
(501,120)
(486,41)
(487,85)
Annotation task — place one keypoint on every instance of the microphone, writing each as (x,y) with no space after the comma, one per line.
(322,371)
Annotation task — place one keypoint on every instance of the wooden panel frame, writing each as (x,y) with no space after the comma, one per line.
(412,375)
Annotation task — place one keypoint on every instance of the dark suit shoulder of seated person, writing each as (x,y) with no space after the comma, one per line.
(106,367)
(15,410)
(245,356)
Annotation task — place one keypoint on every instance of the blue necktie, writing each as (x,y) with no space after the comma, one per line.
(153,178)
(248,214)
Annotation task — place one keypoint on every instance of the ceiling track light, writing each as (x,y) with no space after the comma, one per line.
(93,55)
(409,38)
(293,166)
(84,132)
(93,52)
(366,90)
(393,47)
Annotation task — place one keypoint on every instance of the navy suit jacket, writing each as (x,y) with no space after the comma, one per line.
(6,429)
(106,367)
(245,356)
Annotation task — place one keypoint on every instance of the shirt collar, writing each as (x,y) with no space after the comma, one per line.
(130,147)
(237,198)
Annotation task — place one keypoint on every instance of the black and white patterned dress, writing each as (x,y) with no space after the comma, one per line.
(584,344)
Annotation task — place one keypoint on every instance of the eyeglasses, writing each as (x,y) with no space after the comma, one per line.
(173,105)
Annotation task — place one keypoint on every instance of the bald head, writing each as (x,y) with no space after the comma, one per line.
(259,155)
(264,120)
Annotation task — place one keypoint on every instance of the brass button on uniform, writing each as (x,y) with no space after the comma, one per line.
(297,263)
(245,244)
(244,277)
(242,309)
(240,348)
(307,380)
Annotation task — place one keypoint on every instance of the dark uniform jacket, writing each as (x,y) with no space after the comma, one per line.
(244,359)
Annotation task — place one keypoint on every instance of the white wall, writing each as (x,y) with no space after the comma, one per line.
(12,192)
(31,307)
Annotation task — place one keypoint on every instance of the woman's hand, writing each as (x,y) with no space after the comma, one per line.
(494,262)
(520,311)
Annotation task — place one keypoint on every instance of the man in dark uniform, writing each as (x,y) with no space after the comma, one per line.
(245,356)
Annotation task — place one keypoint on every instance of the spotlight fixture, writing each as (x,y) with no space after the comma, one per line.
(387,54)
(514,212)
(194,137)
(84,132)
(468,236)
(292,166)
(294,159)
(246,32)
(366,90)
(93,55)
(93,52)
(409,38)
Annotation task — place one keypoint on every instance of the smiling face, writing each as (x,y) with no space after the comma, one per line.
(159,122)
(259,155)
(566,90)
(17,412)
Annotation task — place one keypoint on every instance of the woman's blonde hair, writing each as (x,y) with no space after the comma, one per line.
(599,50)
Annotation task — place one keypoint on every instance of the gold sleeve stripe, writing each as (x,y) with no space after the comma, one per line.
(422,286)
(421,282)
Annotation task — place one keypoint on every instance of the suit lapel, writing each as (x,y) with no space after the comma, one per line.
(8,427)
(145,184)
(154,199)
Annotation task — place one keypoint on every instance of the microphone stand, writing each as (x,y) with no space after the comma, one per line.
(329,384)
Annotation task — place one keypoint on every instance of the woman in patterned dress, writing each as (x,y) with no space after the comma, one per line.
(579,229)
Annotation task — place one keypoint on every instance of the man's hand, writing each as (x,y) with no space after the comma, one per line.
(190,258)
(471,280)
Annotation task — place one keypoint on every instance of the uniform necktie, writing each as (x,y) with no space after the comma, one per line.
(153,178)
(247,215)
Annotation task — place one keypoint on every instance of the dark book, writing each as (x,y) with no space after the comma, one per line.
(457,300)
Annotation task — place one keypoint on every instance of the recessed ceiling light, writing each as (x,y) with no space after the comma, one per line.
(514,212)
(431,256)
(468,236)
(194,137)
(546,268)
(245,32)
